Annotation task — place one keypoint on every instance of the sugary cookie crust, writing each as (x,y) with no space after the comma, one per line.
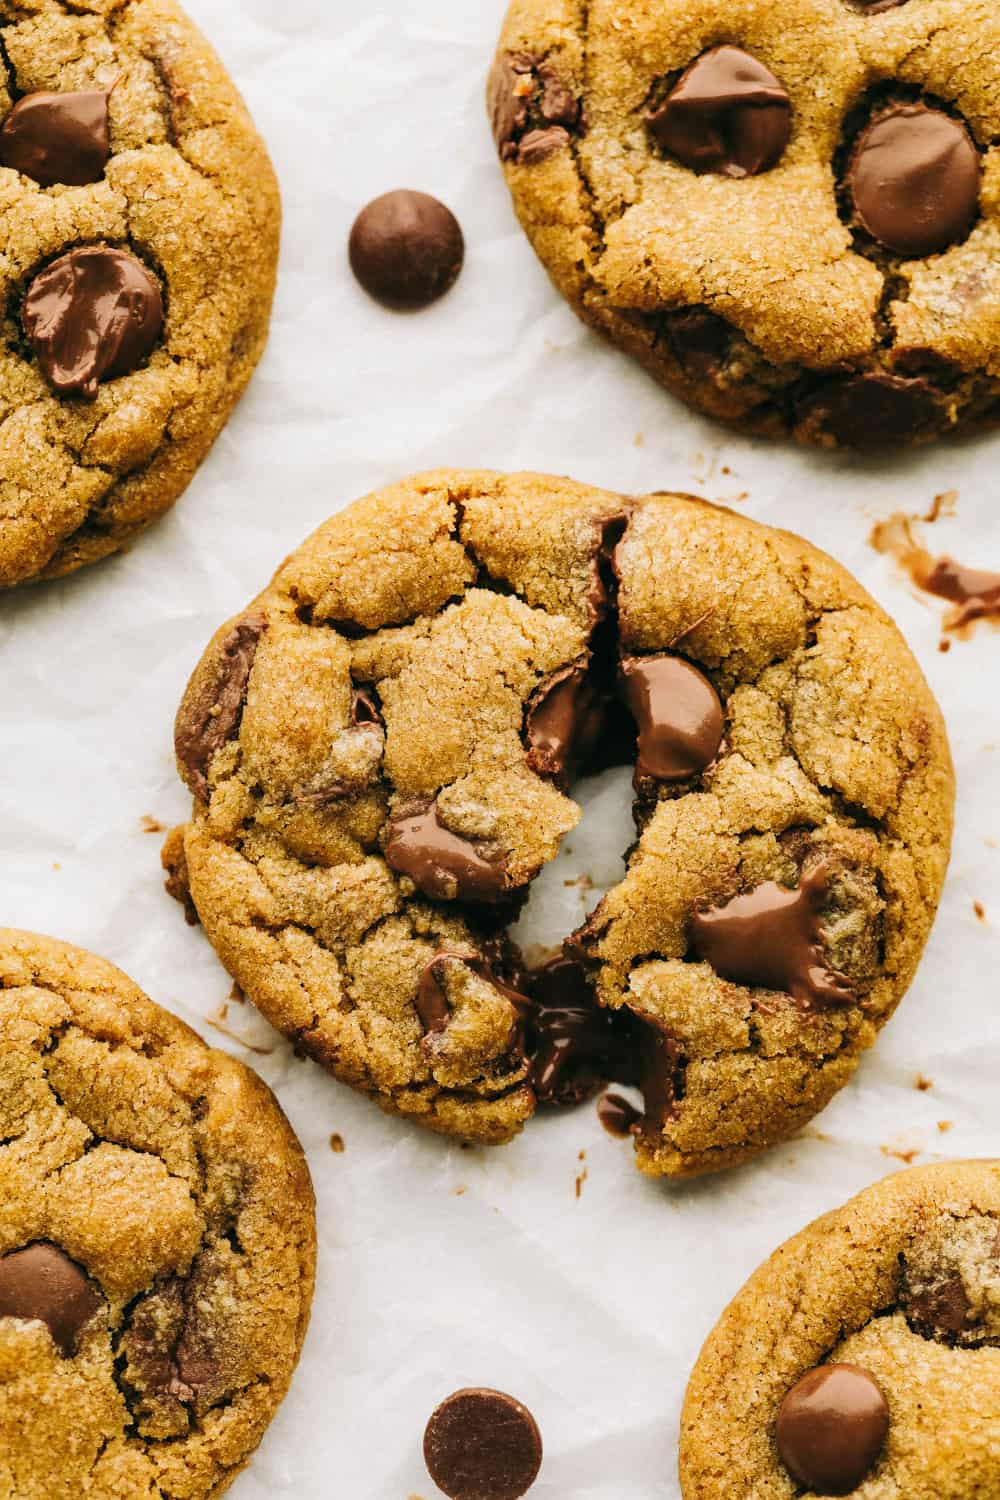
(189,189)
(168,1173)
(631,236)
(842,1292)
(452,597)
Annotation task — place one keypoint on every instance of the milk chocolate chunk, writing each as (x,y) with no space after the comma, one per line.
(727,114)
(832,1427)
(446,866)
(876,410)
(677,713)
(432,997)
(42,1284)
(563,722)
(58,138)
(483,1445)
(536,145)
(532,110)
(509,90)
(772,938)
(92,315)
(406,249)
(210,716)
(940,1311)
(699,339)
(914,179)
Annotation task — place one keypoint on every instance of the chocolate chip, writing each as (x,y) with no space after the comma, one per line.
(873,7)
(212,709)
(92,315)
(559,105)
(446,866)
(603,587)
(727,114)
(832,1427)
(699,340)
(42,1284)
(875,410)
(406,250)
(532,110)
(662,1074)
(58,138)
(483,1445)
(772,938)
(677,713)
(914,179)
(509,89)
(538,144)
(432,998)
(562,722)
(940,1311)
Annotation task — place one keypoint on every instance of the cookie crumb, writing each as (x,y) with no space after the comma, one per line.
(980,910)
(638,440)
(896,1153)
(942,505)
(944,646)
(460,1191)
(945,1125)
(923,1083)
(337,1143)
(57,866)
(581,1178)
(151,825)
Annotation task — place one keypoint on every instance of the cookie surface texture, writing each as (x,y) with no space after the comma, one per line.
(157,1241)
(865,1354)
(790,215)
(380,750)
(138,252)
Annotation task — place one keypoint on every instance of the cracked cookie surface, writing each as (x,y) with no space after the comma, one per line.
(380,749)
(789,215)
(147,154)
(896,1296)
(157,1241)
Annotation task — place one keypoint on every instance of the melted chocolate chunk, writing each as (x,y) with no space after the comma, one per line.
(875,410)
(42,1284)
(914,179)
(406,249)
(446,866)
(210,716)
(575,1045)
(483,1445)
(532,111)
(432,997)
(603,588)
(939,1312)
(563,722)
(92,315)
(727,114)
(699,340)
(832,1428)
(677,713)
(58,138)
(509,89)
(772,938)
(538,144)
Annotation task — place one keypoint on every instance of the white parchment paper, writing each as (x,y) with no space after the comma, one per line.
(548,1268)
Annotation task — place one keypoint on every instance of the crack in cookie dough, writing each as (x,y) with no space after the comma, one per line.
(157,1241)
(818,330)
(338,854)
(189,194)
(902,1287)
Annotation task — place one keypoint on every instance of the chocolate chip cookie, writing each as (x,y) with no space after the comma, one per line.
(381,750)
(157,1241)
(138,248)
(864,1357)
(789,214)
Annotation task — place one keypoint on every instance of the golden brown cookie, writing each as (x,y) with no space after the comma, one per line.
(381,749)
(789,214)
(157,1241)
(139,223)
(864,1358)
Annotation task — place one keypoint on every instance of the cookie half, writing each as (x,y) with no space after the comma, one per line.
(157,1241)
(788,214)
(138,252)
(381,750)
(864,1357)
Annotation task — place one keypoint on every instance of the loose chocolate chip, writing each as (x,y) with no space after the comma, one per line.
(832,1427)
(58,138)
(210,714)
(875,410)
(406,250)
(727,114)
(914,179)
(509,89)
(41,1283)
(677,713)
(90,316)
(563,722)
(483,1445)
(699,340)
(444,865)
(772,938)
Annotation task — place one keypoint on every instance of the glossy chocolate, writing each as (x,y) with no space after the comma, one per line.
(915,177)
(832,1427)
(677,713)
(772,938)
(42,1284)
(210,716)
(483,1445)
(727,114)
(562,722)
(444,865)
(58,138)
(433,1007)
(92,315)
(406,249)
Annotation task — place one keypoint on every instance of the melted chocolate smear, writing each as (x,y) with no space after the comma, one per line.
(974,592)
(772,938)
